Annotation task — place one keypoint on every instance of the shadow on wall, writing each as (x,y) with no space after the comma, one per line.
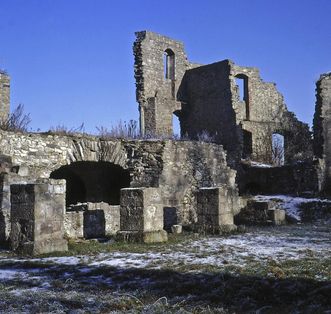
(170,217)
(94,224)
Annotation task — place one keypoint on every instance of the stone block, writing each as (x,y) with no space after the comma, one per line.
(141,215)
(37,218)
(176,229)
(215,209)
(144,237)
(277,216)
(141,209)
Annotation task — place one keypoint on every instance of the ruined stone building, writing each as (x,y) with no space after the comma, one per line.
(207,98)
(54,187)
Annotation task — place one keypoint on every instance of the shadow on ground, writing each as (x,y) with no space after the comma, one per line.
(233,293)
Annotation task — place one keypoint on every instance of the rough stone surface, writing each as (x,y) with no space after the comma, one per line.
(141,209)
(295,179)
(322,130)
(141,215)
(176,229)
(4,95)
(216,208)
(92,220)
(261,213)
(37,216)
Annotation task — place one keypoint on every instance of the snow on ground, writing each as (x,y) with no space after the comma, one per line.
(259,245)
(260,165)
(289,203)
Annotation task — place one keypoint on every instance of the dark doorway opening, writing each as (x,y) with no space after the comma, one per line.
(89,181)
(247,145)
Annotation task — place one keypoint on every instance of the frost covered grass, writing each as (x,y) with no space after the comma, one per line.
(275,269)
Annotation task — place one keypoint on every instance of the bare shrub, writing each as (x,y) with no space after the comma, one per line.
(17,121)
(64,130)
(125,130)
(205,136)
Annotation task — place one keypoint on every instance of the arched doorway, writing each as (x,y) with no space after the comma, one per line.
(91,181)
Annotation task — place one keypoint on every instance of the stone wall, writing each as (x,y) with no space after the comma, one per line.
(4,95)
(179,167)
(207,99)
(322,130)
(155,90)
(212,103)
(91,220)
(300,178)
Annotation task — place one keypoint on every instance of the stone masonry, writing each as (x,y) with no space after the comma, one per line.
(322,130)
(142,215)
(37,217)
(207,99)
(4,95)
(215,209)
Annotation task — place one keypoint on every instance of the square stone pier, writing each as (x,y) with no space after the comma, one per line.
(37,217)
(141,216)
(215,210)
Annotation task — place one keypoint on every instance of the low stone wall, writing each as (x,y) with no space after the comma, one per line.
(91,220)
(290,179)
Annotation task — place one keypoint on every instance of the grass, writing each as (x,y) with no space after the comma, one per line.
(267,285)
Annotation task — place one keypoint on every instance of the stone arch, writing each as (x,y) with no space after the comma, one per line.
(93,181)
(99,150)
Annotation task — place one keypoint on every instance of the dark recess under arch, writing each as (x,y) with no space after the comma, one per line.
(91,181)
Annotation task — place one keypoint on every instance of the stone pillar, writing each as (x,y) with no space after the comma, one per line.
(322,130)
(4,209)
(141,217)
(4,95)
(215,210)
(37,217)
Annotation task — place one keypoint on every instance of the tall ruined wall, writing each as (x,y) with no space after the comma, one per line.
(4,95)
(179,167)
(206,94)
(156,90)
(264,112)
(322,129)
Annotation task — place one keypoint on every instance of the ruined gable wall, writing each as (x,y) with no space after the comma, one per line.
(178,167)
(206,94)
(156,94)
(322,130)
(268,114)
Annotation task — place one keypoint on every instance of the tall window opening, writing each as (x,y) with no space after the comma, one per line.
(242,87)
(247,144)
(175,126)
(278,151)
(169,64)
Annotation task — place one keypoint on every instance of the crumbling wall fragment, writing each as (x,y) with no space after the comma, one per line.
(322,130)
(4,95)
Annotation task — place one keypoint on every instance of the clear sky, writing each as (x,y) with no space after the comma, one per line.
(71,61)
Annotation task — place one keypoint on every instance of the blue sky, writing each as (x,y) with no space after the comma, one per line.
(71,61)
